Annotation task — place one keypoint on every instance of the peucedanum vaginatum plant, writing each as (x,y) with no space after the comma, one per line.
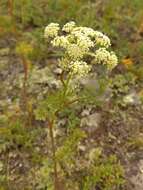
(80,48)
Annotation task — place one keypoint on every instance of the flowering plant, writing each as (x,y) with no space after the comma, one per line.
(81,47)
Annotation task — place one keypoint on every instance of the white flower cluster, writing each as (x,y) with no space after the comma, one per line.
(51,30)
(84,31)
(60,41)
(78,43)
(75,52)
(79,68)
(84,42)
(106,57)
(68,27)
(101,39)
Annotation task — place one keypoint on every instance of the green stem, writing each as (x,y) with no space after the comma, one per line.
(56,179)
(25,66)
(10,7)
(62,78)
(66,86)
(11,14)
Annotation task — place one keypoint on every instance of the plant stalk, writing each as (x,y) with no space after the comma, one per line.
(10,8)
(11,15)
(25,66)
(56,180)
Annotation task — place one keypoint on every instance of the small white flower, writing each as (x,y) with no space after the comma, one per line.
(101,55)
(68,27)
(80,68)
(84,42)
(75,52)
(88,31)
(60,41)
(112,61)
(101,39)
(84,30)
(51,30)
(105,57)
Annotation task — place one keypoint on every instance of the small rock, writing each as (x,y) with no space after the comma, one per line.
(82,148)
(37,149)
(54,84)
(132,99)
(3,62)
(91,122)
(137,180)
(85,112)
(4,51)
(62,122)
(59,132)
(12,155)
(111,137)
(57,71)
(20,165)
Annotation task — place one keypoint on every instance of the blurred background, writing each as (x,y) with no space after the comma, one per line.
(23,48)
